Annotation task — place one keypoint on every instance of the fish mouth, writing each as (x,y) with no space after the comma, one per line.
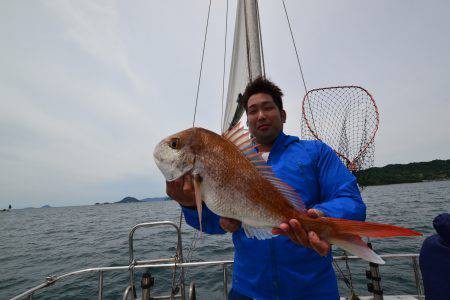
(171,173)
(172,176)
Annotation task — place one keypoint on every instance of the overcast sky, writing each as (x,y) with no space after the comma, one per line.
(87,88)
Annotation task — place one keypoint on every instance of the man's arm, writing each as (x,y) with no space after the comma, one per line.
(182,191)
(340,198)
(339,193)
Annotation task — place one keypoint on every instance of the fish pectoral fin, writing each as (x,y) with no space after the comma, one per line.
(355,245)
(198,199)
(258,233)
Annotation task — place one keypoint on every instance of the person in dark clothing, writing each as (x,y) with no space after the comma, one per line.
(434,260)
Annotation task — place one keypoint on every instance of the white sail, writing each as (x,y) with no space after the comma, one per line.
(246,58)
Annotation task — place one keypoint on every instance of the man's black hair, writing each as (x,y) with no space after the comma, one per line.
(262,85)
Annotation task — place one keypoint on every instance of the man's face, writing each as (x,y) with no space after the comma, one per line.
(265,120)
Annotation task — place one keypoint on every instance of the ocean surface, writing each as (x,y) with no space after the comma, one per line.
(35,243)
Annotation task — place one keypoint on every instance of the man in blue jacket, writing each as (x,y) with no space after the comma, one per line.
(294,264)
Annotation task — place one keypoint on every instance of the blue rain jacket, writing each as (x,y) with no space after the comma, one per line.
(434,260)
(278,268)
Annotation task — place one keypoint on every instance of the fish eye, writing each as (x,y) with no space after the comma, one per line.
(175,143)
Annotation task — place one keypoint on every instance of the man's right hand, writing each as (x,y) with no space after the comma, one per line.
(182,191)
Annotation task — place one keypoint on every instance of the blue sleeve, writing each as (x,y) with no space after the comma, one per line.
(210,221)
(339,192)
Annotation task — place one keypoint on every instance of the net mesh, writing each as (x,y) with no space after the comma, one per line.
(346,118)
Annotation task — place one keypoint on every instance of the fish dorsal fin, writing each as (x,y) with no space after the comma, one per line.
(283,187)
(241,138)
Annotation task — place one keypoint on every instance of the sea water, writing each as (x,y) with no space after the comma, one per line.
(35,243)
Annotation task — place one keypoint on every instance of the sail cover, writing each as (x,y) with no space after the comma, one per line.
(245,61)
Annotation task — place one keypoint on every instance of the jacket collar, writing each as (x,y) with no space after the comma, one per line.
(282,142)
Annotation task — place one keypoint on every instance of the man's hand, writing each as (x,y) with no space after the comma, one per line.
(294,230)
(182,191)
(229,225)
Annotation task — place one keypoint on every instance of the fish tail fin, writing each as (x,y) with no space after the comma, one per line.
(355,245)
(370,229)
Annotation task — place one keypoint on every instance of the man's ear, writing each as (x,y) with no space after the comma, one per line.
(283,116)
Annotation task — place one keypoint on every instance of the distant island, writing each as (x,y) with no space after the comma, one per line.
(128,200)
(406,173)
(134,200)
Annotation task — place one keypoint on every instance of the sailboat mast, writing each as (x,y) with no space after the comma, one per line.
(253,38)
(246,61)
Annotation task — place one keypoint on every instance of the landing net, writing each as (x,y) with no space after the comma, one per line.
(346,118)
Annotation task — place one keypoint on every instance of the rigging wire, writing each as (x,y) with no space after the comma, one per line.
(298,58)
(224,63)
(295,46)
(201,64)
(193,243)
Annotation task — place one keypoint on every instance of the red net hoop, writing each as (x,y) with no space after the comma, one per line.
(346,118)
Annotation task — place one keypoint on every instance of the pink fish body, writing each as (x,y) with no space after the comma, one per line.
(235,182)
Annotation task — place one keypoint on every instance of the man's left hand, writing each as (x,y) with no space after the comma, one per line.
(294,230)
(229,225)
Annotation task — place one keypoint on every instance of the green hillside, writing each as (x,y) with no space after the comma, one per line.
(412,172)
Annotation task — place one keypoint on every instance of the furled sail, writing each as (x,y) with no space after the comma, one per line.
(245,61)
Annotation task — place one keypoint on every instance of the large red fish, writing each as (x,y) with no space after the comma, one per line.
(235,182)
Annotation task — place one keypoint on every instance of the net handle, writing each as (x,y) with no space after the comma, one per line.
(350,163)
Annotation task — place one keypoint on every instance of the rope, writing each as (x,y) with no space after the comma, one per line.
(349,274)
(188,259)
(224,62)
(344,278)
(201,64)
(175,287)
(348,281)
